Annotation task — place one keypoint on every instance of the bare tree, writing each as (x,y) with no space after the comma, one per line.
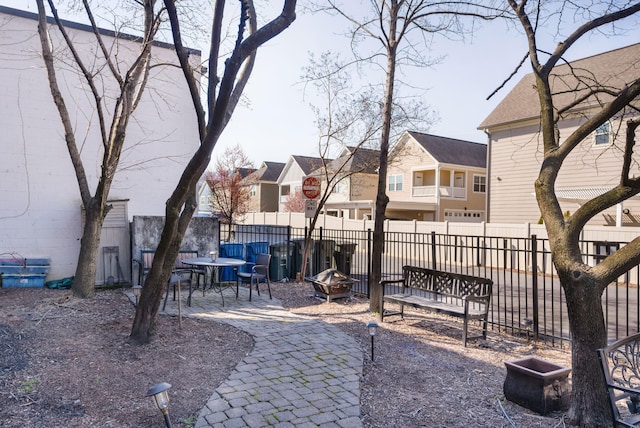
(130,84)
(583,284)
(345,117)
(399,32)
(213,114)
(230,184)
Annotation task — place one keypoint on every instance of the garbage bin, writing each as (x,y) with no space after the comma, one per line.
(297,254)
(343,256)
(230,251)
(282,256)
(322,254)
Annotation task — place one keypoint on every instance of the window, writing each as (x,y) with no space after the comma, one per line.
(284,190)
(480,183)
(395,183)
(603,133)
(253,190)
(339,187)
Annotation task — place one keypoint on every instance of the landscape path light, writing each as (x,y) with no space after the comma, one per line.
(160,396)
(372,326)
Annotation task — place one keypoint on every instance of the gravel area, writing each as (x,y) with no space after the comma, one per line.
(66,362)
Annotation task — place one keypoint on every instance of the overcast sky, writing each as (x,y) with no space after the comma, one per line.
(278,121)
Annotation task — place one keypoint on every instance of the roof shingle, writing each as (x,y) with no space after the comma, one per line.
(452,151)
(611,70)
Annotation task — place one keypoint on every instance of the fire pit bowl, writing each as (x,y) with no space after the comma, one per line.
(331,284)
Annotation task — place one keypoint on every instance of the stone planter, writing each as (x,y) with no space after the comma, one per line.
(537,384)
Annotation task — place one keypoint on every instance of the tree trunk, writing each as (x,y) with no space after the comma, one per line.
(143,329)
(144,324)
(375,290)
(84,281)
(588,330)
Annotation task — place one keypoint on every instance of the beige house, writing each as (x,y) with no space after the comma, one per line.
(264,189)
(434,178)
(515,146)
(354,176)
(294,171)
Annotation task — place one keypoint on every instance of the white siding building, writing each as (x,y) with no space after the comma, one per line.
(40,205)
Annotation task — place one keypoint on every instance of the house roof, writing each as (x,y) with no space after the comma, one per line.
(308,164)
(363,160)
(272,171)
(611,70)
(268,172)
(452,151)
(244,172)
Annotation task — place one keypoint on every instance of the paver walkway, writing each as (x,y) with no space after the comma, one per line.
(301,372)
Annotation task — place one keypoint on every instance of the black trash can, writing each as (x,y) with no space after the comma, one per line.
(297,255)
(282,256)
(343,256)
(322,255)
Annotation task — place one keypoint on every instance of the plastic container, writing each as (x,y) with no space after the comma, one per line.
(343,257)
(323,255)
(230,251)
(282,255)
(23,281)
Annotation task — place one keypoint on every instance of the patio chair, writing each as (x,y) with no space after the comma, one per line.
(620,368)
(259,272)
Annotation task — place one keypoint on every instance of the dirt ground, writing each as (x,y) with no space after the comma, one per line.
(66,362)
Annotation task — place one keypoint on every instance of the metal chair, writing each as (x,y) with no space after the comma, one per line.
(621,371)
(259,272)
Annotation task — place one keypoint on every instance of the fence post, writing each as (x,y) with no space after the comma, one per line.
(534,284)
(290,260)
(433,250)
(369,244)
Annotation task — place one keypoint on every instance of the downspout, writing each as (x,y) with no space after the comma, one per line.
(487,196)
(438,192)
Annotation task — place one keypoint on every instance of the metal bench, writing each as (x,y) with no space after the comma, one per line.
(463,296)
(620,366)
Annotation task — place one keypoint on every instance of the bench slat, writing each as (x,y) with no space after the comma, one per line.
(439,306)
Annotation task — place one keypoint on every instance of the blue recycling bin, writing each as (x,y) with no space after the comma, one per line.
(230,251)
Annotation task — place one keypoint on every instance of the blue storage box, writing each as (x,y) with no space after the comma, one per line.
(11,266)
(20,281)
(24,266)
(37,266)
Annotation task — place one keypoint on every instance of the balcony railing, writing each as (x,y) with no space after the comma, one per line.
(445,192)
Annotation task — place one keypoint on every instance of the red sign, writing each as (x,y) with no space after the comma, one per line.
(311,187)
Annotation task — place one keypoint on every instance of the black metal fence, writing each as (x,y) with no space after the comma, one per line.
(527,296)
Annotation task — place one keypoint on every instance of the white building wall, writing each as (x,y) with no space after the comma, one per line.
(40,207)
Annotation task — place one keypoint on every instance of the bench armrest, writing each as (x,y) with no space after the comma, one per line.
(480,299)
(391,281)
